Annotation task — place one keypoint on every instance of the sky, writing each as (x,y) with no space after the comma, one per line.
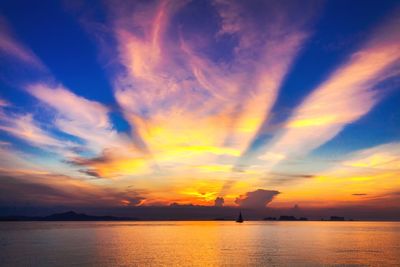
(247,104)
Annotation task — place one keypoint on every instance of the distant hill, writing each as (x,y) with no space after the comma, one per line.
(68,216)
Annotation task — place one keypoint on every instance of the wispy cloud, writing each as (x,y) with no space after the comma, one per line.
(383,157)
(9,45)
(174,94)
(13,160)
(3,103)
(348,94)
(71,126)
(89,121)
(25,128)
(80,117)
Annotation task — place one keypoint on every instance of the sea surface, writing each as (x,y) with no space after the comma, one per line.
(205,243)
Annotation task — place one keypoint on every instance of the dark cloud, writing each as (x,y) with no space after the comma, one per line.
(359,194)
(13,190)
(131,197)
(105,157)
(18,188)
(219,202)
(175,204)
(292,175)
(282,178)
(256,199)
(132,200)
(92,173)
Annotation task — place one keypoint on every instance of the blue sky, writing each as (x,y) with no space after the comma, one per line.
(160,102)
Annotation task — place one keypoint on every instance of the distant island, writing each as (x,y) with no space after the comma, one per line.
(285,218)
(293,218)
(68,216)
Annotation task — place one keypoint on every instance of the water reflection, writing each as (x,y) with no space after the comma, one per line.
(199,243)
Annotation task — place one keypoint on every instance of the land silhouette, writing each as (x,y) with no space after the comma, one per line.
(74,216)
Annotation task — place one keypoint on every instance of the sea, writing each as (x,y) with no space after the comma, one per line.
(200,243)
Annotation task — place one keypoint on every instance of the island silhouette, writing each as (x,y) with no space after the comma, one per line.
(74,216)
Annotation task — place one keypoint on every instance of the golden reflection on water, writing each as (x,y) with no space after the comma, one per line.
(200,243)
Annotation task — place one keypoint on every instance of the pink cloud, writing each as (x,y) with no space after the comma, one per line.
(12,47)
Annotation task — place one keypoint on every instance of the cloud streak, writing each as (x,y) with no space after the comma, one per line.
(25,128)
(77,116)
(350,92)
(10,46)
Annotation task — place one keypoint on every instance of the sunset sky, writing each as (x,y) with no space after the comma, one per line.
(228,103)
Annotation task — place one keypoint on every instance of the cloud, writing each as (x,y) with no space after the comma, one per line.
(114,153)
(132,201)
(112,163)
(256,199)
(3,103)
(86,119)
(37,188)
(364,177)
(92,173)
(77,116)
(176,205)
(350,92)
(44,188)
(25,128)
(70,105)
(292,175)
(12,47)
(12,159)
(78,127)
(248,84)
(384,157)
(284,178)
(219,202)
(173,92)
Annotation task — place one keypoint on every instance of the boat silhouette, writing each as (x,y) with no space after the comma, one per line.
(239,218)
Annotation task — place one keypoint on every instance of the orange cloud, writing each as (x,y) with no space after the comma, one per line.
(186,107)
(373,172)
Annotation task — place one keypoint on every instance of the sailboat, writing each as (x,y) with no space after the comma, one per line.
(239,218)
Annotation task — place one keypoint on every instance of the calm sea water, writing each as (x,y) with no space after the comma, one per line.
(199,243)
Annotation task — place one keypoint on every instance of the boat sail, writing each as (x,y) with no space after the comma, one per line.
(239,218)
